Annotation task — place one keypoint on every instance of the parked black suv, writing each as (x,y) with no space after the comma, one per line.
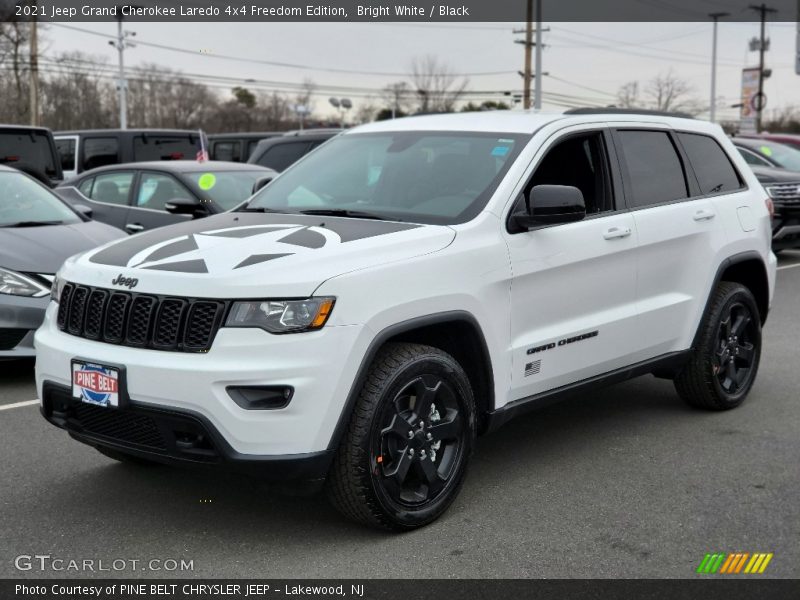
(31,150)
(236,147)
(87,149)
(278,153)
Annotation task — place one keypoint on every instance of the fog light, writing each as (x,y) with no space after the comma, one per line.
(260,397)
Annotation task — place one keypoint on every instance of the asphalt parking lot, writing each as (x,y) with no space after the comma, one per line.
(625,482)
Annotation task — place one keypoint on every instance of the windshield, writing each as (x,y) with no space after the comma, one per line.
(227,189)
(423,177)
(783,156)
(25,202)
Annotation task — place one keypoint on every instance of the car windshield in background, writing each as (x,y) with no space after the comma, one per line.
(784,156)
(422,177)
(163,147)
(27,150)
(25,203)
(226,188)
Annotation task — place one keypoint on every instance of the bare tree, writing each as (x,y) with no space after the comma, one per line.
(668,92)
(13,41)
(628,95)
(437,87)
(398,97)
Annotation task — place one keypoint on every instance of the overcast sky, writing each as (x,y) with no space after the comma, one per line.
(597,56)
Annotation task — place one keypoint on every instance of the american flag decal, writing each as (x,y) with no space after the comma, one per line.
(532,368)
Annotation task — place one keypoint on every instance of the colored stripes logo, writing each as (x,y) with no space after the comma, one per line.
(735,563)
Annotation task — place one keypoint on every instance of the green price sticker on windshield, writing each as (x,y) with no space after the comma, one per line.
(207,181)
(766,150)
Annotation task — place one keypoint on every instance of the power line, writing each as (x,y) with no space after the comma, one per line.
(269,62)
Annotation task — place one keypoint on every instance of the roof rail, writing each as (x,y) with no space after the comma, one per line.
(626,111)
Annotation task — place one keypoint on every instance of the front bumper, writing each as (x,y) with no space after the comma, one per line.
(786,227)
(20,316)
(320,366)
(171,437)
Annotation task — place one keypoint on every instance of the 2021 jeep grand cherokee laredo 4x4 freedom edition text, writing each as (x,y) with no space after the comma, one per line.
(409,285)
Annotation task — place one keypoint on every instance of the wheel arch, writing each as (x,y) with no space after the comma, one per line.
(748,269)
(456,332)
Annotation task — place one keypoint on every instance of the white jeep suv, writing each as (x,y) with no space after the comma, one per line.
(412,284)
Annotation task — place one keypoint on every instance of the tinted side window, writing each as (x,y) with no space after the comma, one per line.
(66,152)
(99,151)
(163,147)
(251,145)
(654,167)
(225,151)
(280,156)
(753,159)
(579,161)
(112,188)
(711,165)
(155,190)
(86,187)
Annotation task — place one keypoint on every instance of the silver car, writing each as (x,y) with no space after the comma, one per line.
(38,231)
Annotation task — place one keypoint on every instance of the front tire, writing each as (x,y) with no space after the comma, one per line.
(404,456)
(724,363)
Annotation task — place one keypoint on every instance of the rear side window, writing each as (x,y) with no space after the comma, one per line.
(112,188)
(280,156)
(713,168)
(100,151)
(66,152)
(163,147)
(654,168)
(28,150)
(225,151)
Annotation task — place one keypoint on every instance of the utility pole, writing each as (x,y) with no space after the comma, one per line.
(122,84)
(526,97)
(34,64)
(537,101)
(528,74)
(762,9)
(713,106)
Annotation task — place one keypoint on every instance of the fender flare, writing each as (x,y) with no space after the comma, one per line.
(391,331)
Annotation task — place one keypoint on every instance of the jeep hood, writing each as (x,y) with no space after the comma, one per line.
(251,255)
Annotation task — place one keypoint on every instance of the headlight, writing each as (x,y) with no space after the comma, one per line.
(281,316)
(18,284)
(56,288)
(770,191)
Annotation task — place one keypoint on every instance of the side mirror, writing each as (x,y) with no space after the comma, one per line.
(262,182)
(86,211)
(550,205)
(182,206)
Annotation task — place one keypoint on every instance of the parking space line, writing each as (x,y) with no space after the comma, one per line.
(18,404)
(789,266)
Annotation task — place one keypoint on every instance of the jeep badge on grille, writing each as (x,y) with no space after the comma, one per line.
(128,282)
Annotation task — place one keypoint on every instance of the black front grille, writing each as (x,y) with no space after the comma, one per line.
(122,426)
(140,320)
(156,431)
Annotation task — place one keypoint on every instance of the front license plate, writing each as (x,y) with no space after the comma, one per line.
(96,384)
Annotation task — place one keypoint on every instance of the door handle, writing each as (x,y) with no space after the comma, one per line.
(616,232)
(704,214)
(134,227)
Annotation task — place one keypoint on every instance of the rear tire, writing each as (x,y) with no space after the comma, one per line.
(122,457)
(724,364)
(404,455)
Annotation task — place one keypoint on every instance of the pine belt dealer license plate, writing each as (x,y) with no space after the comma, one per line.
(96,384)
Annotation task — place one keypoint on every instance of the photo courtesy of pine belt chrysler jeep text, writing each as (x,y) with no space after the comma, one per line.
(410,285)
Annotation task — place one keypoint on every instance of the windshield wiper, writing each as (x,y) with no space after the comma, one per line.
(32,223)
(264,209)
(343,212)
